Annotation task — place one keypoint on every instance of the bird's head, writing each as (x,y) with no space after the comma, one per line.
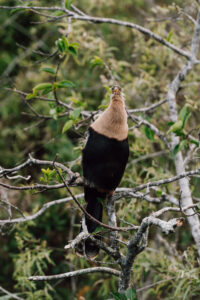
(116,90)
(117,93)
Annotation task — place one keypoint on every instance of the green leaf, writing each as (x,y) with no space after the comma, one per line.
(194,142)
(46,91)
(96,61)
(159,193)
(75,45)
(67,126)
(131,294)
(184,114)
(15,10)
(186,119)
(49,70)
(76,113)
(62,44)
(72,50)
(45,171)
(149,133)
(179,147)
(42,179)
(64,84)
(30,96)
(175,150)
(169,36)
(41,86)
(176,127)
(170,123)
(59,45)
(68,3)
(98,229)
(118,296)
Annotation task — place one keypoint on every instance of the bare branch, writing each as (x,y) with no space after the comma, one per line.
(18,177)
(88,18)
(178,209)
(31,160)
(148,108)
(139,28)
(134,247)
(112,221)
(39,212)
(77,273)
(14,296)
(35,186)
(81,236)
(147,156)
(163,181)
(153,284)
(32,7)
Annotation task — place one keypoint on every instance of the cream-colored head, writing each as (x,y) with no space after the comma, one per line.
(113,121)
(116,90)
(117,93)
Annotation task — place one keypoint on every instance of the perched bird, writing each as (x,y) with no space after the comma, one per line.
(104,160)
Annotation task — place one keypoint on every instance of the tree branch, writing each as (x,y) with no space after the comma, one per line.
(10,294)
(178,160)
(88,18)
(77,273)
(134,246)
(39,212)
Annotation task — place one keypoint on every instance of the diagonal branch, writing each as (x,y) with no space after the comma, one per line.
(39,212)
(87,18)
(14,296)
(31,160)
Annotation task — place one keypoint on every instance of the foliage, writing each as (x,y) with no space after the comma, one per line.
(144,68)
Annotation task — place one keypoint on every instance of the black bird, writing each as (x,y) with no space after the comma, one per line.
(104,160)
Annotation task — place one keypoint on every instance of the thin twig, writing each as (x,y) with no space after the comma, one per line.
(10,294)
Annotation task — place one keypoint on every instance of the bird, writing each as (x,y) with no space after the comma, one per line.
(104,159)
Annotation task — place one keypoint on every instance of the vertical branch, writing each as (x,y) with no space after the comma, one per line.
(178,160)
(112,221)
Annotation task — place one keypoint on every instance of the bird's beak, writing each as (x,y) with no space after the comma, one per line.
(116,90)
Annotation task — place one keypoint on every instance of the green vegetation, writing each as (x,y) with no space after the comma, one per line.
(79,75)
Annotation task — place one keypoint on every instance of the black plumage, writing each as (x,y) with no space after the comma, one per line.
(104,159)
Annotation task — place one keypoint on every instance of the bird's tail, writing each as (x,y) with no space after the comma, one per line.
(94,207)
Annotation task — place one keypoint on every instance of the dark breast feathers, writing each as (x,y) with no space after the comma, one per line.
(104,160)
